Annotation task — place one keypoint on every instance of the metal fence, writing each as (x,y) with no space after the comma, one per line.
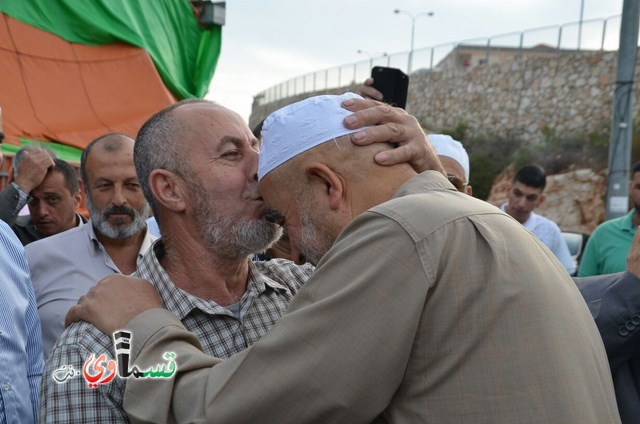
(595,35)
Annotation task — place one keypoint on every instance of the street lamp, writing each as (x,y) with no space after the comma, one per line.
(371,56)
(413,31)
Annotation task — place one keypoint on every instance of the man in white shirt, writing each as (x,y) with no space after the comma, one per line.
(65,266)
(526,194)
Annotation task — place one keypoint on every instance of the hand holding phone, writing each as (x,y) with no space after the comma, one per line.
(392,83)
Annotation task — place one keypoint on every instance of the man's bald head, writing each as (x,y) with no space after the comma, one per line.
(163,139)
(316,178)
(312,131)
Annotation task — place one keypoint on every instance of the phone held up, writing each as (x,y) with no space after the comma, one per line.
(392,83)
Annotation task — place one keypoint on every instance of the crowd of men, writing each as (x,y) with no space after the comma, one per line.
(407,299)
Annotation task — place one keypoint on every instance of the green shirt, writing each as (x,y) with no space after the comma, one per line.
(607,248)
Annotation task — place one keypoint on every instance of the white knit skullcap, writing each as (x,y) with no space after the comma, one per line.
(445,145)
(300,126)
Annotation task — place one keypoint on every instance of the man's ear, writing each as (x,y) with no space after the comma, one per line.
(468,190)
(542,199)
(326,181)
(166,188)
(77,196)
(84,188)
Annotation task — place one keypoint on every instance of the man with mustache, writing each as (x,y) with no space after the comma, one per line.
(52,203)
(64,266)
(49,186)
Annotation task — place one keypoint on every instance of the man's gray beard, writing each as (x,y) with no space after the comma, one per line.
(102,226)
(313,243)
(235,239)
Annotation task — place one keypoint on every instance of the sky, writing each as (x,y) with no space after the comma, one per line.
(267,42)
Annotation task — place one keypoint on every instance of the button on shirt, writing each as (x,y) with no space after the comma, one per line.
(20,340)
(549,233)
(270,288)
(63,268)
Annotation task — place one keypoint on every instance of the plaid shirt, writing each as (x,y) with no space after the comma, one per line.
(270,288)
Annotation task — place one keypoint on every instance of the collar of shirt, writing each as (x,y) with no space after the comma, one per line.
(627,222)
(181,302)
(425,181)
(98,247)
(32,227)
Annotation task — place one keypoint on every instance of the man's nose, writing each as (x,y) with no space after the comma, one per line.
(42,209)
(118,199)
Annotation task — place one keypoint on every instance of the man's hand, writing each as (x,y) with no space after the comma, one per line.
(393,125)
(113,302)
(33,168)
(368,92)
(633,258)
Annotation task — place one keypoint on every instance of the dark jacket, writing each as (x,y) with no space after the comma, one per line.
(614,302)
(21,225)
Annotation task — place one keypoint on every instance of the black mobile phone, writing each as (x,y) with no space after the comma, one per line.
(392,83)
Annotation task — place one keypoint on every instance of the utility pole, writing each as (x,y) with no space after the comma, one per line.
(580,23)
(622,124)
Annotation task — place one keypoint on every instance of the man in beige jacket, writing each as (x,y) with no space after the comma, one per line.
(426,306)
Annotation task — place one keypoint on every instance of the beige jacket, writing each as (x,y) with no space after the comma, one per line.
(430,308)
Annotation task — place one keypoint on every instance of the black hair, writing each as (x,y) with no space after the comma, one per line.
(531,176)
(68,172)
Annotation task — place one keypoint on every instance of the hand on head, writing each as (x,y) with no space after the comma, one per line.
(33,168)
(113,302)
(394,125)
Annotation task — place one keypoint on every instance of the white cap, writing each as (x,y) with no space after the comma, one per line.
(300,126)
(445,145)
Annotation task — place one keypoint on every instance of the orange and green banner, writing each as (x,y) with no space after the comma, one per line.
(184,54)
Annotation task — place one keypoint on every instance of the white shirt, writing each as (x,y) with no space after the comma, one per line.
(549,233)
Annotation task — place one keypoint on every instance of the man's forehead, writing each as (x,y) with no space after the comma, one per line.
(453,167)
(114,144)
(53,181)
(215,120)
(526,189)
(209,112)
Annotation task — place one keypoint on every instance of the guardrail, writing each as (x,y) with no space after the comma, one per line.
(596,35)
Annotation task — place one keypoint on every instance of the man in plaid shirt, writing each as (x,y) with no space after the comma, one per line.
(196,162)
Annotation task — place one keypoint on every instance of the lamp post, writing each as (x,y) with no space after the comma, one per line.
(371,55)
(413,32)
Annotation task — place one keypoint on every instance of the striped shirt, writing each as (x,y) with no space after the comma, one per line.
(270,288)
(20,338)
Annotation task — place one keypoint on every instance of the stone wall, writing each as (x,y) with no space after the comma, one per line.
(569,94)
